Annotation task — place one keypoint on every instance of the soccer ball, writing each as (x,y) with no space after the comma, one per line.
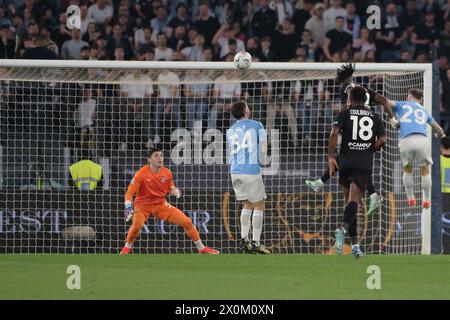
(242,60)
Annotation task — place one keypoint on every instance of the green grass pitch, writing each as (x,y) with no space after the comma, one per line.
(224,277)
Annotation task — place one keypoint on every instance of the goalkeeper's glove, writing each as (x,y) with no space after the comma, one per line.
(128,211)
(394,123)
(176,192)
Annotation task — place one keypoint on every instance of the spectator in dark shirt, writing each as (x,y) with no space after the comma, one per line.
(391,36)
(444,40)
(178,38)
(181,19)
(127,25)
(206,24)
(285,41)
(61,34)
(266,50)
(252,46)
(302,15)
(405,57)
(34,8)
(19,26)
(434,7)
(208,53)
(85,53)
(40,51)
(118,40)
(32,32)
(337,39)
(91,33)
(7,43)
(264,20)
(411,16)
(422,57)
(443,66)
(119,54)
(4,20)
(425,34)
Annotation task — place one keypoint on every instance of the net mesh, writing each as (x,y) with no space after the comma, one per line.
(52,117)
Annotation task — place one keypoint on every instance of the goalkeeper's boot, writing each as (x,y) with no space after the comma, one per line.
(125,251)
(356,251)
(208,250)
(340,236)
(246,246)
(374,203)
(426,204)
(259,248)
(316,185)
(411,202)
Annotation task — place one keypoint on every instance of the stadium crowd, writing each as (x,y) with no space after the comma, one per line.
(214,30)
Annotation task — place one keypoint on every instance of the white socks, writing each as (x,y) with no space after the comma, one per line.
(127,245)
(257,224)
(408,183)
(426,187)
(246,214)
(199,244)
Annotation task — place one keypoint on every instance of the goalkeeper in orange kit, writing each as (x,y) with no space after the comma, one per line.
(151,184)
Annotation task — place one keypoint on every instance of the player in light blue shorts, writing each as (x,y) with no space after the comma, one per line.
(414,143)
(246,139)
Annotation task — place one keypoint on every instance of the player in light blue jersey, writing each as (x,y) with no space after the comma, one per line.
(246,141)
(414,144)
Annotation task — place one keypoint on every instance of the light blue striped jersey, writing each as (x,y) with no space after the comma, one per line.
(413,118)
(244,139)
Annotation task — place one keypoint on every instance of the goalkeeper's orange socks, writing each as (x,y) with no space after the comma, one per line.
(257,224)
(246,215)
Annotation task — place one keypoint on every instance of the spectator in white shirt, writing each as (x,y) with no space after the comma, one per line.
(85,19)
(316,25)
(330,15)
(71,48)
(195,52)
(100,12)
(162,52)
(221,38)
(284,10)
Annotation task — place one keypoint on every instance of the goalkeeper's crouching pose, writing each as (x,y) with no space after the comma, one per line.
(151,184)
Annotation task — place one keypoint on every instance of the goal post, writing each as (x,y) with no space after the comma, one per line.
(54,112)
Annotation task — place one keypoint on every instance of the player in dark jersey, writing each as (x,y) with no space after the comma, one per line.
(362,134)
(344,76)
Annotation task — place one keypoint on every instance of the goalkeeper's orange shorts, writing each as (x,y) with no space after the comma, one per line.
(164,211)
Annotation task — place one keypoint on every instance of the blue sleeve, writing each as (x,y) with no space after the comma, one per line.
(396,106)
(430,118)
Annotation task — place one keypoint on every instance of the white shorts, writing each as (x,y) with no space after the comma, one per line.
(415,147)
(248,187)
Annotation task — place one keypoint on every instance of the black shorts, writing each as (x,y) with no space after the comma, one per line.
(360,177)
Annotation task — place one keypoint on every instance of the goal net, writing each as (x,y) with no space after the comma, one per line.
(55,113)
